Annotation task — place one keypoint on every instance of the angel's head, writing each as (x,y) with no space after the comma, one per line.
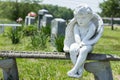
(83,14)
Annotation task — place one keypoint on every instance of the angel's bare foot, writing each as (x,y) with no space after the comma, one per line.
(74,74)
(80,71)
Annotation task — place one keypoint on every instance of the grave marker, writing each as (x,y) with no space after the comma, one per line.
(47,18)
(29,20)
(40,16)
(58,26)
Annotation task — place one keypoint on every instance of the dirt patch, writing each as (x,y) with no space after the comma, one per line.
(118,77)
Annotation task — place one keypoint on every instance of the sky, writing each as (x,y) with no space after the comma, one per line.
(94,4)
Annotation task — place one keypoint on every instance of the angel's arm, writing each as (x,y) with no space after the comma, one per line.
(96,38)
(90,32)
(77,35)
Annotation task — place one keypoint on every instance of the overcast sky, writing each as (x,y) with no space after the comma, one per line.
(94,4)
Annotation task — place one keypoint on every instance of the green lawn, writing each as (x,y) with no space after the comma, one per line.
(39,69)
(109,42)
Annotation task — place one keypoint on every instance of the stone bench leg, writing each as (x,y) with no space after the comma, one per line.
(9,68)
(101,70)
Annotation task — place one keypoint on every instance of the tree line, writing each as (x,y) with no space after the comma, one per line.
(13,10)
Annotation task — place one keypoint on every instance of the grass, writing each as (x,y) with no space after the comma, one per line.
(44,69)
(109,42)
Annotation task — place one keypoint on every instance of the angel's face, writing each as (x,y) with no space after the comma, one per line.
(83,14)
(83,19)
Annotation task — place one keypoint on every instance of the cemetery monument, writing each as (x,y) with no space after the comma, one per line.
(82,33)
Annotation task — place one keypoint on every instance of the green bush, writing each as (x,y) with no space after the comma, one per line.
(39,39)
(59,40)
(29,30)
(15,35)
(46,30)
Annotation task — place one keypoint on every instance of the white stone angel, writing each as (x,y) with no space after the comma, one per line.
(82,32)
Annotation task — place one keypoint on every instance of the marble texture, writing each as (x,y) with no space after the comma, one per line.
(82,33)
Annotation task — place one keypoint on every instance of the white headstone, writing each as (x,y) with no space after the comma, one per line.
(29,20)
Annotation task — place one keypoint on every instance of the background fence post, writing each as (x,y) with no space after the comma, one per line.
(112,23)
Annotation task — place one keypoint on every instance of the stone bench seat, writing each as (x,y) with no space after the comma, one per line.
(99,64)
(57,55)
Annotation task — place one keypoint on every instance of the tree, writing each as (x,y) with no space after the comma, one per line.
(110,8)
(5,9)
(59,12)
(31,1)
(14,10)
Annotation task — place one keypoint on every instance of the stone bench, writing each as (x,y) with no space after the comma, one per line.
(99,66)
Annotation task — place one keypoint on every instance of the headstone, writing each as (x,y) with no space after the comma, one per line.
(1,29)
(47,18)
(58,26)
(40,16)
(29,20)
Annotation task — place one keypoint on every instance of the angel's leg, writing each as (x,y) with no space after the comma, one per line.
(74,50)
(78,68)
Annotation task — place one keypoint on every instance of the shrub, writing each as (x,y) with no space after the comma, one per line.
(46,30)
(15,35)
(29,30)
(59,43)
(39,39)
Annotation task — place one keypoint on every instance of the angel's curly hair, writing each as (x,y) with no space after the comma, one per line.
(83,9)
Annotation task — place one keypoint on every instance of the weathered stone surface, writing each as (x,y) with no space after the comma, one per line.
(41,13)
(103,57)
(82,33)
(52,55)
(101,70)
(47,18)
(9,68)
(58,26)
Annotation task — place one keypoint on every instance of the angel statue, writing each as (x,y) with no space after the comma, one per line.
(82,33)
